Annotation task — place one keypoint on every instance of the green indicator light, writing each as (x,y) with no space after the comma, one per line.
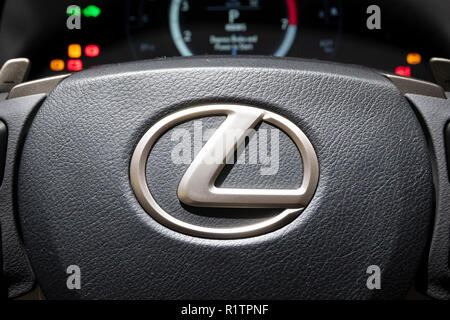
(91,11)
(73,11)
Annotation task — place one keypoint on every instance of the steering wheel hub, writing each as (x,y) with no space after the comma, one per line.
(369,204)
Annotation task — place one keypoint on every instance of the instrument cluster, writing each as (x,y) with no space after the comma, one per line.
(60,36)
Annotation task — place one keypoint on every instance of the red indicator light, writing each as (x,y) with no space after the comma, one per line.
(92,50)
(292,12)
(74,65)
(403,71)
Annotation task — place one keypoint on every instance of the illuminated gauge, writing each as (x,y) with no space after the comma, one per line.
(265,27)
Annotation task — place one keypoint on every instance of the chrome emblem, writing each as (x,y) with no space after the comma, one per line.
(197,187)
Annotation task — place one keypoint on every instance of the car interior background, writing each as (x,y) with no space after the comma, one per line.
(225,149)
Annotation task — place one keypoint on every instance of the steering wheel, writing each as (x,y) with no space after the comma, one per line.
(225,178)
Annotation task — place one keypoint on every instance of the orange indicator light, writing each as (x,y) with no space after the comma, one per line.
(74,51)
(57,65)
(414,58)
(92,50)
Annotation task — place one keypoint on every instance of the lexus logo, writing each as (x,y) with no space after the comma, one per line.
(197,186)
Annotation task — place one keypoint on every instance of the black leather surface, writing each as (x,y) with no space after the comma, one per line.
(17,114)
(3,146)
(436,115)
(373,204)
